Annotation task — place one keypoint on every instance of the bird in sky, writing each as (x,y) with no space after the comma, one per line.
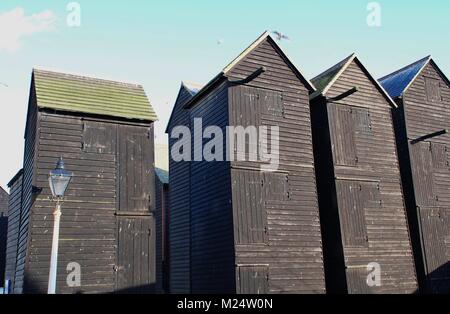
(280,36)
(3,84)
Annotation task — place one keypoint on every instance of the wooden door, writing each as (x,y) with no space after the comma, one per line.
(135,269)
(342,128)
(355,198)
(435,224)
(135,263)
(250,217)
(136,169)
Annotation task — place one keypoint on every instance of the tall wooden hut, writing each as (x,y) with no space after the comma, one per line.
(4,200)
(179,199)
(14,209)
(422,93)
(104,132)
(252,231)
(361,202)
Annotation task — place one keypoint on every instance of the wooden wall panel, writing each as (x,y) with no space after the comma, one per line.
(179,204)
(15,204)
(426,108)
(293,249)
(28,181)
(136,245)
(136,177)
(252,280)
(377,168)
(211,246)
(89,226)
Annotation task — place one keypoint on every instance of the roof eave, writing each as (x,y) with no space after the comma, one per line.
(173,109)
(214,82)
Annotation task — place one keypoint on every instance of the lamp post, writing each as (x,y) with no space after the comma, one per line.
(58,180)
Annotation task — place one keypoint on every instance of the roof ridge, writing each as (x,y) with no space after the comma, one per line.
(86,77)
(192,87)
(246,51)
(91,95)
(429,57)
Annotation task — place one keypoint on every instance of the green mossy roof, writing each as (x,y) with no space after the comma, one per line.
(66,92)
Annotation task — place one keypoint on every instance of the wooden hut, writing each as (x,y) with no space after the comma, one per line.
(361,202)
(104,132)
(179,199)
(14,210)
(4,200)
(247,230)
(162,241)
(422,93)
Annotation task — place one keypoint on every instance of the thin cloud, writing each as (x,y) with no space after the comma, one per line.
(15,25)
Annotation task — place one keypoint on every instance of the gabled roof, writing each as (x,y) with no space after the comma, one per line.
(192,89)
(15,178)
(325,80)
(81,94)
(162,175)
(265,36)
(397,83)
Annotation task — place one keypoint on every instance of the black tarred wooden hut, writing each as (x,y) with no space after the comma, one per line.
(361,202)
(237,228)
(14,210)
(104,132)
(4,200)
(179,199)
(422,122)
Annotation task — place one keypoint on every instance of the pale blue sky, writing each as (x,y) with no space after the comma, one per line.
(158,44)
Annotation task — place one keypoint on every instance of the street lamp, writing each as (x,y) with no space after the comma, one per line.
(58,180)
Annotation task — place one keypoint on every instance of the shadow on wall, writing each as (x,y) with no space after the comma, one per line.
(438,282)
(145,289)
(32,289)
(3,236)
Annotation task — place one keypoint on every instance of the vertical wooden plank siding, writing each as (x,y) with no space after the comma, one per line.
(276,216)
(137,244)
(88,226)
(426,110)
(15,204)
